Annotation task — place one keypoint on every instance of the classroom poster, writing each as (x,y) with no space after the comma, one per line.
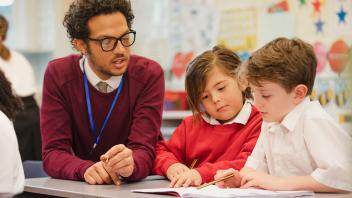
(238,29)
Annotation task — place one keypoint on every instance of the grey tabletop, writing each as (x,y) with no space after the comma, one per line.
(67,188)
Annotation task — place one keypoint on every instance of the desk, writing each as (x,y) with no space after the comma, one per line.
(67,188)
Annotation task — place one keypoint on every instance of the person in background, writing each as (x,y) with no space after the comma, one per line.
(101,111)
(20,73)
(11,171)
(300,146)
(223,129)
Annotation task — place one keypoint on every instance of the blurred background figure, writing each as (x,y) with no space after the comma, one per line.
(20,73)
(11,172)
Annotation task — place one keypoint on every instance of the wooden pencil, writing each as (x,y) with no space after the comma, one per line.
(215,181)
(193,163)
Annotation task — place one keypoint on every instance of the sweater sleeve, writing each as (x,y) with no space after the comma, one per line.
(170,152)
(58,158)
(208,170)
(145,129)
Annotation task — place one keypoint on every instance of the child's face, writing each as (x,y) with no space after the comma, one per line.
(273,101)
(222,96)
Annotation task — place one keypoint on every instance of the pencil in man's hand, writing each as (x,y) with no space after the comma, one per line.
(215,181)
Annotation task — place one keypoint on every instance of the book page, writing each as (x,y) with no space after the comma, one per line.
(214,191)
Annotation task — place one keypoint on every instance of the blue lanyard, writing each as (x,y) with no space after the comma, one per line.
(89,107)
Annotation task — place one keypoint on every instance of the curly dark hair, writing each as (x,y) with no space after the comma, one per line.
(80,11)
(9,103)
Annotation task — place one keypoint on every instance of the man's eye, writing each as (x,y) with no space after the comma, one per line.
(108,41)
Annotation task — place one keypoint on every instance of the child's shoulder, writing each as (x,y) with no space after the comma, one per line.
(313,110)
(192,120)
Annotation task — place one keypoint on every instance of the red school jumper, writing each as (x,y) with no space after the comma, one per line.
(214,146)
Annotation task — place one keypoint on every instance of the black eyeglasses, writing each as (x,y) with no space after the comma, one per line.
(109,43)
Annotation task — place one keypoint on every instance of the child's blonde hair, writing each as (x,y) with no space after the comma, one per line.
(197,71)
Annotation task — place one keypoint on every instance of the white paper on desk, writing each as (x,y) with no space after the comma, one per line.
(214,191)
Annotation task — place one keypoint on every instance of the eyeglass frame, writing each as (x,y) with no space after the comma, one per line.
(117,39)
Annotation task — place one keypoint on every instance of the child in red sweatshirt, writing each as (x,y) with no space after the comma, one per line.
(224,127)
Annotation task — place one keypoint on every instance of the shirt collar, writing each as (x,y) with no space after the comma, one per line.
(292,118)
(113,81)
(241,118)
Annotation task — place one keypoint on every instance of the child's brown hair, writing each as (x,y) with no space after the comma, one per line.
(288,62)
(197,71)
(4,51)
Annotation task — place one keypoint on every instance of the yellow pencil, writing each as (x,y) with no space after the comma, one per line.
(215,181)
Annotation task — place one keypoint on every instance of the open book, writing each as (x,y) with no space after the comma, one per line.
(214,191)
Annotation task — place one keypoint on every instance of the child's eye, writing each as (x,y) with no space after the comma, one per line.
(266,96)
(204,97)
(221,88)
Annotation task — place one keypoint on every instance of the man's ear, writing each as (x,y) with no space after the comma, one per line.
(80,45)
(243,82)
(300,92)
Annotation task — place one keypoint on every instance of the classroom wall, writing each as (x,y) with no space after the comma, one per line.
(185,28)
(174,31)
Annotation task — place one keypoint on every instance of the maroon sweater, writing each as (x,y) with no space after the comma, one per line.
(134,122)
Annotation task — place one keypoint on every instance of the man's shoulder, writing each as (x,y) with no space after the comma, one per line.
(65,67)
(64,62)
(143,69)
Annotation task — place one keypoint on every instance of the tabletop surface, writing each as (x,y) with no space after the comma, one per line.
(67,188)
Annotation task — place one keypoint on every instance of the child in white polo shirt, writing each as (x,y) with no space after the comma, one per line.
(300,146)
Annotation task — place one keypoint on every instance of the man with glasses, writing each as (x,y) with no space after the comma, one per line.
(101,110)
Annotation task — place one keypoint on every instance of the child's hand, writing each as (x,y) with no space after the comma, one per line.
(260,179)
(175,170)
(233,182)
(189,178)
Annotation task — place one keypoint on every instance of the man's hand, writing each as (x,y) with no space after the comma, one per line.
(232,182)
(98,174)
(175,170)
(119,159)
(188,178)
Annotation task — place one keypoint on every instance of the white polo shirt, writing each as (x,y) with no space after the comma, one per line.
(11,171)
(307,142)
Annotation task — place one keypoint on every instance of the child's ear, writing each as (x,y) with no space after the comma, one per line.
(300,92)
(80,45)
(243,82)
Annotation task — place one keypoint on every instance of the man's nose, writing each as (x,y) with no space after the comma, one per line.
(119,48)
